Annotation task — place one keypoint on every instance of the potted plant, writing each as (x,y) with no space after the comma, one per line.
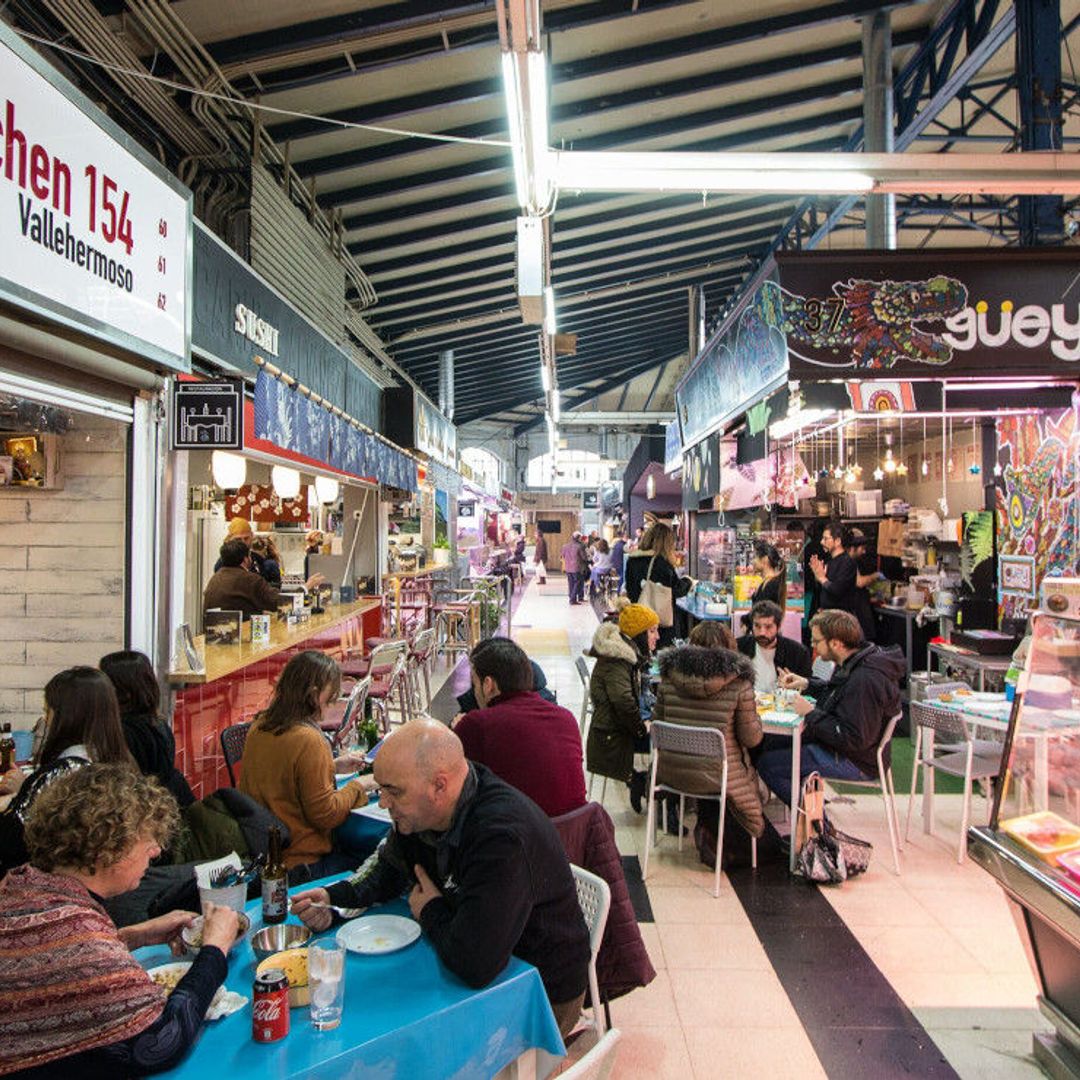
(441,551)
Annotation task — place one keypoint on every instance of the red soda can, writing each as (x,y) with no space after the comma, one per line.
(270,1008)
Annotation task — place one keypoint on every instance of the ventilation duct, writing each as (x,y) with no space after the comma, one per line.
(446,383)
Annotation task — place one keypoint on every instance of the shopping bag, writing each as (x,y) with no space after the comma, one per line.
(811,810)
(658,597)
(541,573)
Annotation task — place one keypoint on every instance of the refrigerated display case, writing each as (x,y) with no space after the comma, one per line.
(1032,844)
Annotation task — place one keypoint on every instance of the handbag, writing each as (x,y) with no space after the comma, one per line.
(811,810)
(658,597)
(541,572)
(825,854)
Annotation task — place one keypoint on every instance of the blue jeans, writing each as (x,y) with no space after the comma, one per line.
(573,584)
(774,767)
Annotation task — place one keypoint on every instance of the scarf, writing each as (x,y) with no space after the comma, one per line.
(67,983)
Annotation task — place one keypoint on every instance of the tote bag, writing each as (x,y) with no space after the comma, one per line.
(658,597)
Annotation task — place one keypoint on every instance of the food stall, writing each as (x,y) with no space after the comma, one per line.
(1032,843)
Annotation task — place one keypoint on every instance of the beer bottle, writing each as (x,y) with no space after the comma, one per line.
(275,893)
(7,750)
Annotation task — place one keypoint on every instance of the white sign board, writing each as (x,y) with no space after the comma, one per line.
(94,233)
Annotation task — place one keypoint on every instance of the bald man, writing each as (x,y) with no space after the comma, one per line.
(486,872)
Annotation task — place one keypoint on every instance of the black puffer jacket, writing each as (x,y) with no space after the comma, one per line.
(854,706)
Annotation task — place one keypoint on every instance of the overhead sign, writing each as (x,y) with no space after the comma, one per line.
(672,448)
(208,415)
(701,472)
(735,368)
(933,314)
(590,500)
(94,233)
(434,434)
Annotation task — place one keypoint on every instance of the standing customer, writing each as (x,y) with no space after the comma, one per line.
(601,564)
(76,1002)
(623,651)
(148,737)
(654,561)
(289,769)
(618,557)
(712,687)
(574,565)
(837,579)
(540,557)
(82,726)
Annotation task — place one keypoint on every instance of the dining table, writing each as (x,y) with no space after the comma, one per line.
(788,723)
(405,1017)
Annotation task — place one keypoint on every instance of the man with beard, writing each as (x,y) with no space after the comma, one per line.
(769,650)
(838,579)
(847,716)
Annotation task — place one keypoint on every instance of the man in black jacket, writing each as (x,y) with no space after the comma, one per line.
(488,874)
(838,579)
(771,652)
(845,722)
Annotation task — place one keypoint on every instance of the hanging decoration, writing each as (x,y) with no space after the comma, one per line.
(901,468)
(879,472)
(924,468)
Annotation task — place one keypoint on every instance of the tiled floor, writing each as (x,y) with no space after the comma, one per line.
(769,981)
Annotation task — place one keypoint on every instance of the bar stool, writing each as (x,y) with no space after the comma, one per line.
(379,663)
(382,691)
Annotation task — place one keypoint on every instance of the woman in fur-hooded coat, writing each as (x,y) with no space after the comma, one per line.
(712,688)
(617,726)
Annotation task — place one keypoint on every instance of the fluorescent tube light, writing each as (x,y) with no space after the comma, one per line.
(555,406)
(549,310)
(545,377)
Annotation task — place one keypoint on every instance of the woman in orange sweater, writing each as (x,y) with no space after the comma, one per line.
(288,767)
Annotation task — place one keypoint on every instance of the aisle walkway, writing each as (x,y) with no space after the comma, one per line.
(884,976)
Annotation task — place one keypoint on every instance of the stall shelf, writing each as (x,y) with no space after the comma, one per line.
(1035,857)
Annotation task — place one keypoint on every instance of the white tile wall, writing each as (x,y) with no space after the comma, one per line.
(62,568)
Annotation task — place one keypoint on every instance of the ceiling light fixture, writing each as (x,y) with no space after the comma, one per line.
(326,489)
(230,470)
(286,481)
(549,311)
(525,83)
(545,377)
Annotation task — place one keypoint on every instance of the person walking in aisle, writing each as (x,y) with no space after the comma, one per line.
(574,566)
(540,557)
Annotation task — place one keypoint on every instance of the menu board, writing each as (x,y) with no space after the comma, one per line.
(95,234)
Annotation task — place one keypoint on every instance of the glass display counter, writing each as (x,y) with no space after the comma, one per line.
(1033,850)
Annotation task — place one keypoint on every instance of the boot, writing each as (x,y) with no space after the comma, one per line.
(637,790)
(671,811)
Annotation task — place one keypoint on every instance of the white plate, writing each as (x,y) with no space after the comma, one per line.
(375,934)
(375,812)
(224,1002)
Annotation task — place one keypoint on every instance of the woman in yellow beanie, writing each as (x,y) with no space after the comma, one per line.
(623,651)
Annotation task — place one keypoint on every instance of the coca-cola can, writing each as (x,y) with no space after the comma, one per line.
(270,1008)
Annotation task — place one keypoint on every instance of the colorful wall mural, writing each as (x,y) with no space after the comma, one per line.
(1037,493)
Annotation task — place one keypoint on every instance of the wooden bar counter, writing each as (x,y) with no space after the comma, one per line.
(239,679)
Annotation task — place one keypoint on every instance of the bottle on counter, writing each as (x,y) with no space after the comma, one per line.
(7,750)
(275,886)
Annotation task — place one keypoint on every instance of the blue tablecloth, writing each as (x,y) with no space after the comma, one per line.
(691,607)
(406,1018)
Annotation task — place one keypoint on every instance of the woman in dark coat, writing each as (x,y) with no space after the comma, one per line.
(654,561)
(148,737)
(617,730)
(769,563)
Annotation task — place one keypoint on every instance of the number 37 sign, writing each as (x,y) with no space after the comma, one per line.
(95,234)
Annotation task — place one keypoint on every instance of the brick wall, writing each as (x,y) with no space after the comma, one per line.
(62,567)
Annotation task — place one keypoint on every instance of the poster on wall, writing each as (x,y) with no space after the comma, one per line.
(933,314)
(95,233)
(734,368)
(1017,574)
(1037,491)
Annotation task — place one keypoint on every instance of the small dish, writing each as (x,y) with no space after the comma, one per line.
(377,934)
(275,939)
(192,935)
(223,1003)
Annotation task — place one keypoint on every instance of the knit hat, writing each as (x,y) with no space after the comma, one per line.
(238,526)
(636,619)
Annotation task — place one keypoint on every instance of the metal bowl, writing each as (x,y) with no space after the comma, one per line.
(274,939)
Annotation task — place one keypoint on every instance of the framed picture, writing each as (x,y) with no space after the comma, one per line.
(222,627)
(6,463)
(1017,576)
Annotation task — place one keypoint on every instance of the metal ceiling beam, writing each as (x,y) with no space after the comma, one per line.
(614,419)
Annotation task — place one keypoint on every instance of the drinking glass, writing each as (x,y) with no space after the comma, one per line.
(326,981)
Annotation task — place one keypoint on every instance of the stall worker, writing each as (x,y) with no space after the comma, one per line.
(845,722)
(532,744)
(769,650)
(233,588)
(488,874)
(837,579)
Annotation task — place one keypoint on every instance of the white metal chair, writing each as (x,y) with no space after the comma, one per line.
(382,694)
(958,753)
(598,1063)
(586,701)
(703,742)
(884,782)
(341,720)
(594,899)
(421,653)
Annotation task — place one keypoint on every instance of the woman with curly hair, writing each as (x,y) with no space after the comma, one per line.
(82,725)
(76,1003)
(288,766)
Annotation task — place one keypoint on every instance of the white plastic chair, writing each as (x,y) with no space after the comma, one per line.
(598,1062)
(958,753)
(884,782)
(708,744)
(594,898)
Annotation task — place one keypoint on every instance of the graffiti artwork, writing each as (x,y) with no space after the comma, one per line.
(1037,490)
